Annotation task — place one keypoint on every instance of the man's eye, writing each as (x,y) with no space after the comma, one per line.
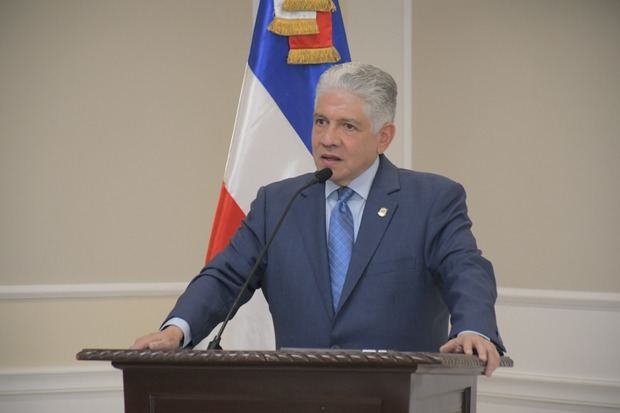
(319,121)
(349,126)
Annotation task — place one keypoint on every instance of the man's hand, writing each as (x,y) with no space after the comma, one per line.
(167,339)
(470,343)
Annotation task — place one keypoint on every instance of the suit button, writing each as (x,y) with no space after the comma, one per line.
(335,346)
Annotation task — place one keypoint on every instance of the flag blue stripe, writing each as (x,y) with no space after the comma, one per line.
(290,86)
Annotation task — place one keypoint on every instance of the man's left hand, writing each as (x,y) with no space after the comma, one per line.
(470,343)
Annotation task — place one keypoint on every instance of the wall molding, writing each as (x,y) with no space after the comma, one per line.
(103,290)
(95,389)
(549,391)
(65,380)
(557,299)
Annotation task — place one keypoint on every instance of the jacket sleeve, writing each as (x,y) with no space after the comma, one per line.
(210,295)
(466,278)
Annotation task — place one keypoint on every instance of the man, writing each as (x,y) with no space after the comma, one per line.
(377,257)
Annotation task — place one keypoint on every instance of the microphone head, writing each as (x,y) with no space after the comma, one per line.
(323,175)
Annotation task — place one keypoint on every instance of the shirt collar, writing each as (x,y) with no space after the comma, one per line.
(361,185)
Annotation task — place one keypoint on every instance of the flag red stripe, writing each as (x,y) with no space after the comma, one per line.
(227,218)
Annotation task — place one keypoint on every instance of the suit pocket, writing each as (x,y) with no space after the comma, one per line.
(392,266)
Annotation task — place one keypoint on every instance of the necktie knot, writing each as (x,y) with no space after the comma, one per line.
(344,194)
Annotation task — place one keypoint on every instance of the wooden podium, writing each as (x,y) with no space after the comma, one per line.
(192,381)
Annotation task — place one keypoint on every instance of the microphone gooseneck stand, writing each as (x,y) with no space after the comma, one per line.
(319,177)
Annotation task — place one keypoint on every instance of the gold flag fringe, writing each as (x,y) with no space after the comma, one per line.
(293,27)
(309,5)
(313,56)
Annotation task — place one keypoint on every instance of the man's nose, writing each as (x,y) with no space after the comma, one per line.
(329,137)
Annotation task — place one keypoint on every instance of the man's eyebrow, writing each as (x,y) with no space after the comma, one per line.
(350,120)
(340,120)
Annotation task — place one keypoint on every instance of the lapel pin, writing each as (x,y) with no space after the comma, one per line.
(382,212)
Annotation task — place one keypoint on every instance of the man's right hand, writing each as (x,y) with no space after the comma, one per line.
(169,338)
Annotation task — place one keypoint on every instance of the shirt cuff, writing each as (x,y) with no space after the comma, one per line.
(474,332)
(184,326)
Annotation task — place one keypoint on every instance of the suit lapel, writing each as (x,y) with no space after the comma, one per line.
(310,215)
(378,212)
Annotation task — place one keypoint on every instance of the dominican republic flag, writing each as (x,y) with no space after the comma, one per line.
(294,41)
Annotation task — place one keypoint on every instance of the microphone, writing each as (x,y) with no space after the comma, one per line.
(319,177)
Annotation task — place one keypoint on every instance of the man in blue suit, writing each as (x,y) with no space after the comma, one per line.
(377,257)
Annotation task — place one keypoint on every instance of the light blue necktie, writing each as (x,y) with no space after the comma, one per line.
(340,242)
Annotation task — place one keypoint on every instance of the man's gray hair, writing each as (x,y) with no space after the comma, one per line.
(376,87)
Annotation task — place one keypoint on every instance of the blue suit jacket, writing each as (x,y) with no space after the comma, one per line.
(411,272)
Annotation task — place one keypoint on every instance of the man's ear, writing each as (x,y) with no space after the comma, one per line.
(385,134)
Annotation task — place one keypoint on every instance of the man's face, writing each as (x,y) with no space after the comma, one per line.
(342,136)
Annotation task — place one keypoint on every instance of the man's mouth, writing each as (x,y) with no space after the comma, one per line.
(330,158)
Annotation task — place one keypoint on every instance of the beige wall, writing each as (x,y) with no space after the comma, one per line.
(49,332)
(115,119)
(115,122)
(520,101)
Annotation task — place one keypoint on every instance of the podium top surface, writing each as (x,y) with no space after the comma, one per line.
(289,358)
